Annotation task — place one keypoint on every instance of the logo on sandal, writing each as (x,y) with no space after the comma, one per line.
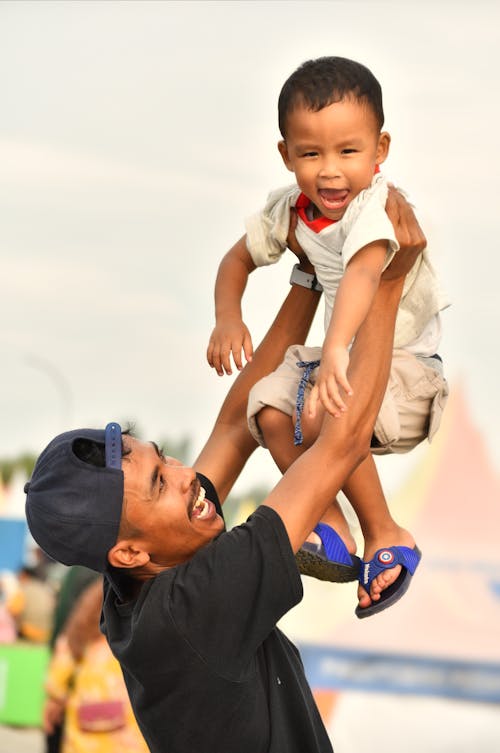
(385,557)
(366,573)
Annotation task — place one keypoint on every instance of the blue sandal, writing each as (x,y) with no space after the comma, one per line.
(383,560)
(329,560)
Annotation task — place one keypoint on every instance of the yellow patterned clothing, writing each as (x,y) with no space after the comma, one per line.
(97,677)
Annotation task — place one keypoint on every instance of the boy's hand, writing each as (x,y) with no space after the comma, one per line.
(229,338)
(332,376)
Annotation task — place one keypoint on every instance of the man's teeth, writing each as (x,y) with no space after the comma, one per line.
(201,504)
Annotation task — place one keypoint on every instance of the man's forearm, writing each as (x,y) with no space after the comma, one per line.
(230,443)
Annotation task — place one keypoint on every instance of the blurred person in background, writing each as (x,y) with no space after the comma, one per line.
(32,606)
(8,632)
(73,583)
(85,687)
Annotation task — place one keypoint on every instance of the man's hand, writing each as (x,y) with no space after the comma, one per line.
(291,239)
(294,246)
(410,237)
(229,339)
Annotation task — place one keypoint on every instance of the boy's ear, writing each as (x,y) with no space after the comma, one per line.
(283,150)
(384,141)
(127,553)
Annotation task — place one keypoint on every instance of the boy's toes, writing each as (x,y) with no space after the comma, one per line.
(364,599)
(382,581)
(391,581)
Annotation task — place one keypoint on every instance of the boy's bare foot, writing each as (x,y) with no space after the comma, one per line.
(397,536)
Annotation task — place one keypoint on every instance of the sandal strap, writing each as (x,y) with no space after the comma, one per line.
(335,549)
(386,558)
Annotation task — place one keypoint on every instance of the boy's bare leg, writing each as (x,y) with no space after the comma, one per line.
(364,491)
(366,496)
(277,429)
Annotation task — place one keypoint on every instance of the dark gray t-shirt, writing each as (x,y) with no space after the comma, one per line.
(206,669)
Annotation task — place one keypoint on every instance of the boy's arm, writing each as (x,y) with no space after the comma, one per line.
(230,333)
(230,444)
(353,300)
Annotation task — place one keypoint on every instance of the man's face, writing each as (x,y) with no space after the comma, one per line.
(333,153)
(164,502)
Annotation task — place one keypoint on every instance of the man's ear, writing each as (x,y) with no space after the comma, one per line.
(127,553)
(283,150)
(384,141)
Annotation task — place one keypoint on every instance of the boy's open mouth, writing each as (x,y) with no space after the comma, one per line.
(333,198)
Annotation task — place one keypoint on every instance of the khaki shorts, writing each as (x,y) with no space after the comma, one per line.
(410,412)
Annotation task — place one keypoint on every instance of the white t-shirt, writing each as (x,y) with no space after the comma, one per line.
(331,247)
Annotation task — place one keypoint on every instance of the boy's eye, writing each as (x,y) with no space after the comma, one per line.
(349,151)
(161,483)
(310,154)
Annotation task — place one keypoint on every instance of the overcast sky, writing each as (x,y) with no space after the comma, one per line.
(134,139)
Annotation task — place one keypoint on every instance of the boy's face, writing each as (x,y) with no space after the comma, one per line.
(333,153)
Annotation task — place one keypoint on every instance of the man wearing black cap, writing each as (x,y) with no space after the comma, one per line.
(191,614)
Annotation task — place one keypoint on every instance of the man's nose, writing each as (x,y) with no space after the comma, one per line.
(180,474)
(173,462)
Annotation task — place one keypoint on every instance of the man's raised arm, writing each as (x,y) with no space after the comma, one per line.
(230,444)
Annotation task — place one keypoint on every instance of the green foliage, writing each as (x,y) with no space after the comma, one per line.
(9,467)
(238,507)
(180,449)
(26,463)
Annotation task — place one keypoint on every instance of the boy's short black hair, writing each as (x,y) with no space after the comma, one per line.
(321,82)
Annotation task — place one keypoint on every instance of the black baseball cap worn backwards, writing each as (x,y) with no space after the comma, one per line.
(74,508)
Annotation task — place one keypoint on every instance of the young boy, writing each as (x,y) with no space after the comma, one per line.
(331,118)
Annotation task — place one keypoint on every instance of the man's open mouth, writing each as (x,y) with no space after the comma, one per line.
(201,506)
